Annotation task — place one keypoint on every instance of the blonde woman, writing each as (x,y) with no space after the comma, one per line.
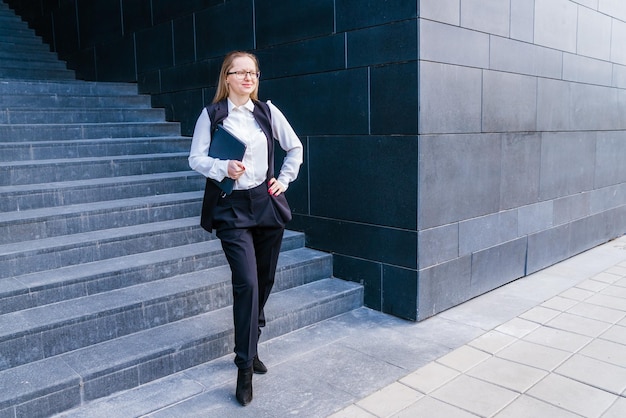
(250,221)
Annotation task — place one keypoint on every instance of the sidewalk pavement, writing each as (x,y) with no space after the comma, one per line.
(552,344)
(564,357)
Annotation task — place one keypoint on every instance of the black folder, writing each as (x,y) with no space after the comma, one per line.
(226,146)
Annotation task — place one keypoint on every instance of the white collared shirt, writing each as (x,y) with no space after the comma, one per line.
(240,121)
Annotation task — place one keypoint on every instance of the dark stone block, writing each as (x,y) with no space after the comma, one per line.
(342,179)
(588,232)
(400,288)
(365,272)
(567,163)
(224,28)
(394,102)
(458,168)
(7,413)
(154,48)
(437,245)
(548,247)
(110,383)
(393,42)
(185,107)
(332,110)
(444,286)
(190,76)
(84,64)
(137,15)
(116,60)
(298,192)
(521,153)
(66,29)
(155,369)
(283,21)
(100,21)
(184,45)
(164,10)
(355,14)
(375,243)
(315,55)
(48,405)
(610,150)
(149,82)
(497,266)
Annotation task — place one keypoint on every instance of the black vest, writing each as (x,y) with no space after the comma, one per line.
(217,113)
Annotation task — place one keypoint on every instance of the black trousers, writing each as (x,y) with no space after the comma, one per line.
(251,232)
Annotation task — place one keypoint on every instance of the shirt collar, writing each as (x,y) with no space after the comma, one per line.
(247,105)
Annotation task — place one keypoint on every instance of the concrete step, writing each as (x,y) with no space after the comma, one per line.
(27,57)
(37,224)
(48,195)
(35,74)
(48,132)
(58,383)
(53,150)
(59,284)
(42,171)
(35,62)
(46,331)
(68,88)
(40,115)
(66,101)
(26,257)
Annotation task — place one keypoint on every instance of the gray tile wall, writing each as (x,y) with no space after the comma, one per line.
(522,139)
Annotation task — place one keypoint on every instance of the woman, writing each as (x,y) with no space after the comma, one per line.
(250,221)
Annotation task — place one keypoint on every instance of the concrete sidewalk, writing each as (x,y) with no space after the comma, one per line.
(564,357)
(550,344)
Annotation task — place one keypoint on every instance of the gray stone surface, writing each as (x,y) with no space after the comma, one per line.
(509,102)
(454,103)
(468,168)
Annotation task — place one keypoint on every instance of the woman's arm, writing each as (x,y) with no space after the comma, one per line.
(199,159)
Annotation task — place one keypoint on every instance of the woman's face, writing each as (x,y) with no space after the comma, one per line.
(245,87)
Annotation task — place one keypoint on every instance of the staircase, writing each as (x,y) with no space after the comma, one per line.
(107,282)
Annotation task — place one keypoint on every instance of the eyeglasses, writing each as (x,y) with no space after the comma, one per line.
(240,75)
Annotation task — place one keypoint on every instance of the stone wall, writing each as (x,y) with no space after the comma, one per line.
(522,139)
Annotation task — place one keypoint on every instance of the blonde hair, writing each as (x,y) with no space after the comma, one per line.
(227,65)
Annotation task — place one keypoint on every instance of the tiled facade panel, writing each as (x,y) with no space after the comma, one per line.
(522,139)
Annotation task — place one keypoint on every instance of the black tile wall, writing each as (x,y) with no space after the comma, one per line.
(365,179)
(365,272)
(394,101)
(393,42)
(334,103)
(100,21)
(165,10)
(115,61)
(184,40)
(154,48)
(315,55)
(354,14)
(137,15)
(378,244)
(224,28)
(66,30)
(283,21)
(400,288)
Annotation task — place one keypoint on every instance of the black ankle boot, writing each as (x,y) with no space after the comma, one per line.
(258,366)
(244,386)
